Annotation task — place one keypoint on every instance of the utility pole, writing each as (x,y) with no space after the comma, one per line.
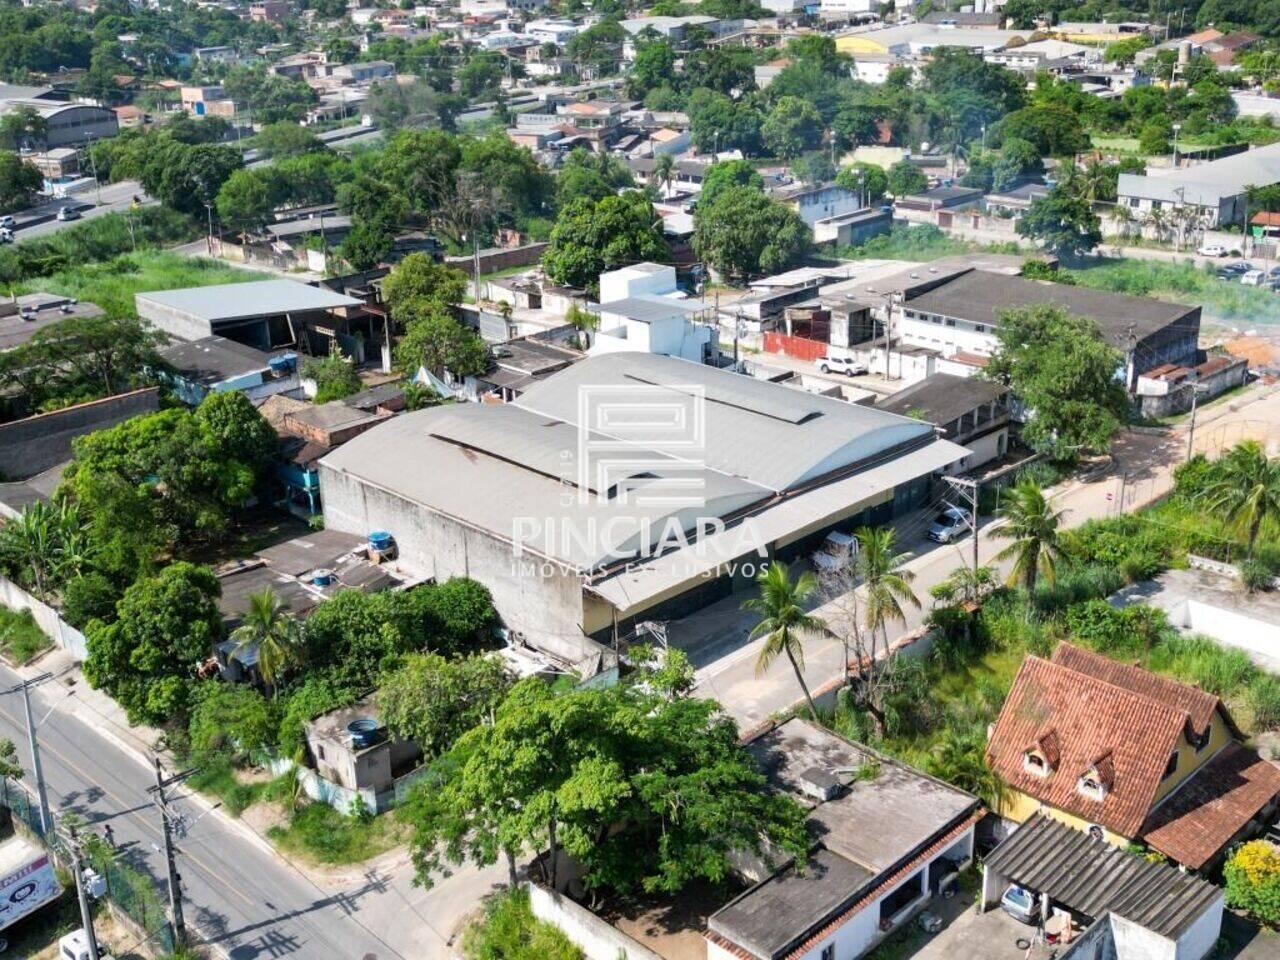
(86,915)
(175,888)
(1191,434)
(46,818)
(208,239)
(969,490)
(888,328)
(1124,482)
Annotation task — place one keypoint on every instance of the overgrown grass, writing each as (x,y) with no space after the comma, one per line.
(113,283)
(1183,283)
(320,833)
(20,638)
(510,931)
(217,778)
(919,242)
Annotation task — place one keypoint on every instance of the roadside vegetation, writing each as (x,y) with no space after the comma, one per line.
(21,640)
(1182,283)
(508,930)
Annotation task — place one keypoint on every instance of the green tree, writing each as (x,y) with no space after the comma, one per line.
(594,175)
(1153,138)
(435,340)
(44,545)
(792,127)
(480,76)
(335,376)
(245,201)
(432,700)
(719,123)
(1064,373)
(725,174)
(233,426)
(166,625)
(284,139)
(744,233)
(784,622)
(1030,521)
(418,278)
(591,237)
(10,765)
(230,720)
(905,178)
(1052,129)
(341,50)
(871,179)
(1063,224)
(19,182)
(23,128)
(645,793)
(268,630)
(1245,491)
(654,65)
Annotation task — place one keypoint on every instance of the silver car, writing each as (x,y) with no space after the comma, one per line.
(948,525)
(1020,903)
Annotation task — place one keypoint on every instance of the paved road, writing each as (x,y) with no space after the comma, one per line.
(248,903)
(116,198)
(716,637)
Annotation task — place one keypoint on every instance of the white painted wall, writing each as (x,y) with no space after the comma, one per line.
(1134,942)
(597,938)
(634,282)
(1202,936)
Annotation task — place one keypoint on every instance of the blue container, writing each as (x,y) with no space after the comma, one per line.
(322,578)
(364,732)
(380,540)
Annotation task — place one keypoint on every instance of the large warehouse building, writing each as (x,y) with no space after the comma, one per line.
(626,487)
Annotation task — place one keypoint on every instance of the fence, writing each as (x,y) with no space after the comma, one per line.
(46,618)
(129,891)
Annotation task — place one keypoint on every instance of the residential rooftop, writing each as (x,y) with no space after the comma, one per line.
(255,298)
(32,312)
(211,360)
(943,397)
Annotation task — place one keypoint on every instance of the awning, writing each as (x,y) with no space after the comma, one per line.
(639,584)
(1089,876)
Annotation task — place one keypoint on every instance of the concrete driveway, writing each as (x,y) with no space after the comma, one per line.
(993,935)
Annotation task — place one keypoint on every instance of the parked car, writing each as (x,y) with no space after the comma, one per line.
(1254,278)
(846,365)
(1212,250)
(7,221)
(68,213)
(1230,276)
(1239,267)
(949,524)
(6,235)
(835,553)
(1020,903)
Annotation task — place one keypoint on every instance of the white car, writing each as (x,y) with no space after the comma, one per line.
(7,222)
(948,525)
(1212,250)
(845,365)
(1254,278)
(6,235)
(68,213)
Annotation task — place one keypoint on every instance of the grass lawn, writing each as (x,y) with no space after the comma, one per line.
(1116,144)
(20,638)
(1183,283)
(919,242)
(236,791)
(111,285)
(322,835)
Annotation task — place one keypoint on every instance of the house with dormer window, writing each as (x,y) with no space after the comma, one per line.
(1128,755)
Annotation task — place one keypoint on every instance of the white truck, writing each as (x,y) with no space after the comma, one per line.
(27,879)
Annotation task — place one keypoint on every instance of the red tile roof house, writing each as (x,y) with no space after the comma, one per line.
(885,843)
(1128,755)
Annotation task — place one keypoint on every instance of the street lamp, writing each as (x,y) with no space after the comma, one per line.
(984,138)
(93,165)
(1176,128)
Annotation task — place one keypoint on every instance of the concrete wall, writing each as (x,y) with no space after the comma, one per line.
(176,323)
(35,444)
(1094,944)
(1135,942)
(494,260)
(543,603)
(1199,940)
(598,939)
(47,618)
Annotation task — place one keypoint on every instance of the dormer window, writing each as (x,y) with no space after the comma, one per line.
(1041,758)
(1171,767)
(1097,780)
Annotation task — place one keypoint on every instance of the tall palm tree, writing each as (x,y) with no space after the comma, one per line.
(1032,524)
(269,627)
(784,621)
(1245,490)
(1123,220)
(887,585)
(1158,221)
(664,171)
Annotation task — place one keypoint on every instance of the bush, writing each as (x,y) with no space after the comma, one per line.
(20,637)
(334,375)
(319,694)
(1252,876)
(1264,701)
(231,719)
(1255,576)
(1222,671)
(510,931)
(89,597)
(1122,633)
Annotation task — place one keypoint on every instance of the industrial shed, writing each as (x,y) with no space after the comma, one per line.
(578,528)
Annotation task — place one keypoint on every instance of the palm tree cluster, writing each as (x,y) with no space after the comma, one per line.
(1245,491)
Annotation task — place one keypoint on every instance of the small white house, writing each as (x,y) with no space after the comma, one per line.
(641,311)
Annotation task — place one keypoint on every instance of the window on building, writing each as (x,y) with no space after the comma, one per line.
(950,322)
(1171,767)
(981,328)
(829,952)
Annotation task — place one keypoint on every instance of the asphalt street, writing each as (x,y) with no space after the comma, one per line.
(240,897)
(116,198)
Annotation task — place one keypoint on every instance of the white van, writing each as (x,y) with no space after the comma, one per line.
(1253,278)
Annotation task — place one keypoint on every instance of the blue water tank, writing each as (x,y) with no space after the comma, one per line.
(283,363)
(380,540)
(322,578)
(364,732)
